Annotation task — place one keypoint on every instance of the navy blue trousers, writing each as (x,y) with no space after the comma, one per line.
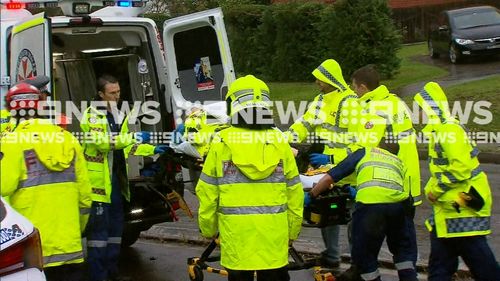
(474,250)
(371,224)
(105,228)
(278,274)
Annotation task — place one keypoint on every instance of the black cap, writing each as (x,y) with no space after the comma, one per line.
(39,81)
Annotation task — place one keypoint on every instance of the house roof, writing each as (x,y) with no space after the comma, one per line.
(399,4)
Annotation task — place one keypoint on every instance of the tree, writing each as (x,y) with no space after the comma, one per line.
(361,32)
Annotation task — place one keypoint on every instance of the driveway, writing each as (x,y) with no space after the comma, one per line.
(469,70)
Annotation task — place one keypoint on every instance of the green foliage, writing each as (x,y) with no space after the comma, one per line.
(363,33)
(295,51)
(159,18)
(242,23)
(285,42)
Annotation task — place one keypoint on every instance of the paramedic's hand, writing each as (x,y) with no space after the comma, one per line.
(160,149)
(294,151)
(307,199)
(178,133)
(318,159)
(143,137)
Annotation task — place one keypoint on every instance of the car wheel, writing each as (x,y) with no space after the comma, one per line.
(432,52)
(129,237)
(454,55)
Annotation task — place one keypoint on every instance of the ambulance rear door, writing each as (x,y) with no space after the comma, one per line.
(30,49)
(198,59)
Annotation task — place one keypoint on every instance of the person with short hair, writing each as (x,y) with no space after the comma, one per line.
(107,146)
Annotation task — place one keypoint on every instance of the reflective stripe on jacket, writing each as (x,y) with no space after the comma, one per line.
(454,169)
(251,193)
(45,174)
(385,115)
(380,178)
(98,146)
(328,117)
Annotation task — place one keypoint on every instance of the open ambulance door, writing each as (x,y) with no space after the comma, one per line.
(30,49)
(198,58)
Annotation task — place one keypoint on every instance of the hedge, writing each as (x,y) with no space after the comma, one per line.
(285,42)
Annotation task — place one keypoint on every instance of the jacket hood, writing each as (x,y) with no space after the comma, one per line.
(331,73)
(263,159)
(54,147)
(378,93)
(434,102)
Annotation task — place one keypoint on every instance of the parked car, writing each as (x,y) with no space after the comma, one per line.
(20,247)
(466,32)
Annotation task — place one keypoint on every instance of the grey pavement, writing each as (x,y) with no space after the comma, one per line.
(310,241)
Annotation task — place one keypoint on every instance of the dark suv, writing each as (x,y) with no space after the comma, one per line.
(466,32)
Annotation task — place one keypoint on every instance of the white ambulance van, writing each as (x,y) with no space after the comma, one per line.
(190,63)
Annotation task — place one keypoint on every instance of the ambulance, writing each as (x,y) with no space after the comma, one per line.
(190,63)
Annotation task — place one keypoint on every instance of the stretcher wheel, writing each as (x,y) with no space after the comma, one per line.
(195,273)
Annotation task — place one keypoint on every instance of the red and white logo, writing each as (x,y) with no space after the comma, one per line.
(26,66)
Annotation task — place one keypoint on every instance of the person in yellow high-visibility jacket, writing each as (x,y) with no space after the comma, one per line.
(384,117)
(328,118)
(459,192)
(107,145)
(250,190)
(379,212)
(44,172)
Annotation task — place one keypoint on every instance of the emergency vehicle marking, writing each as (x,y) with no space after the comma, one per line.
(10,233)
(23,69)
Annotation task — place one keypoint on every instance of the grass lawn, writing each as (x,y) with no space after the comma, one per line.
(481,90)
(410,72)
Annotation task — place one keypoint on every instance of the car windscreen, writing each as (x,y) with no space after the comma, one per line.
(476,19)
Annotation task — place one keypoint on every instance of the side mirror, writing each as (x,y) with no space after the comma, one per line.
(443,28)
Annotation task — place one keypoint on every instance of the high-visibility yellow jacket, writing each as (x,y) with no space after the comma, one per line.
(99,142)
(250,191)
(380,178)
(199,131)
(45,174)
(329,115)
(4,120)
(454,169)
(7,124)
(383,114)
